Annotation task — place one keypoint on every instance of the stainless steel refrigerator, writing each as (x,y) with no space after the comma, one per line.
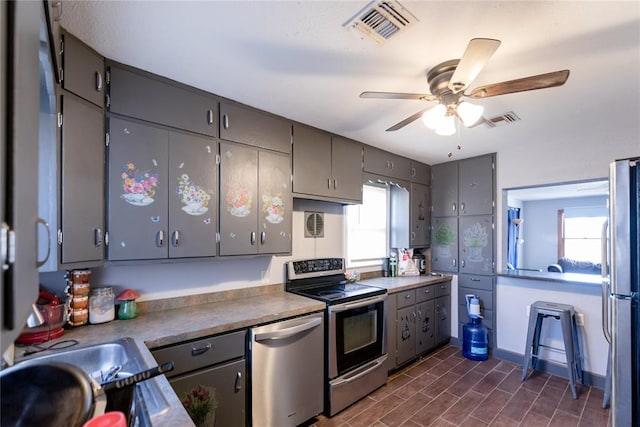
(621,300)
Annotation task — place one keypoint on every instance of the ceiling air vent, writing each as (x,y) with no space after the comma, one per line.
(382,20)
(313,224)
(505,119)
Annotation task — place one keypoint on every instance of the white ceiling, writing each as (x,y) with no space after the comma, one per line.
(298,60)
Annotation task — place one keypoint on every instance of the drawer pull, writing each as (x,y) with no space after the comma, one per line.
(407,296)
(238,385)
(475,279)
(426,291)
(200,350)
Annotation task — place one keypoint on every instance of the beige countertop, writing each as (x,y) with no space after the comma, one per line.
(171,326)
(400,284)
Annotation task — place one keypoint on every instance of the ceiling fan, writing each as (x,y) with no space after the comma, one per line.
(448,81)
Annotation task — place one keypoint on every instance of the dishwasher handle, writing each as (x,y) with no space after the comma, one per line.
(288,332)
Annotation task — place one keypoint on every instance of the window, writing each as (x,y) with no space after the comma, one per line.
(579,235)
(367,228)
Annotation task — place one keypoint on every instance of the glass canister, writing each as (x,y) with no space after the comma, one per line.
(101,305)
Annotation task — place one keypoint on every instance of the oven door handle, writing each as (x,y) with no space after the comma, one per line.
(288,332)
(365,370)
(360,303)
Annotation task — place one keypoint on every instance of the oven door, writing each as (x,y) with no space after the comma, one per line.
(357,333)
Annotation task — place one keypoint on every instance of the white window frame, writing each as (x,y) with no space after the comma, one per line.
(367,262)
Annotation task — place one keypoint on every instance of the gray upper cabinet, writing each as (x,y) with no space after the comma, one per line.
(253,127)
(476,185)
(444,189)
(383,163)
(420,173)
(476,244)
(134,93)
(82,190)
(410,216)
(255,207)
(465,187)
(326,167)
(162,193)
(82,70)
(444,244)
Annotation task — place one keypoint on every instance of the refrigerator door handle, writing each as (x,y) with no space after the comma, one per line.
(604,251)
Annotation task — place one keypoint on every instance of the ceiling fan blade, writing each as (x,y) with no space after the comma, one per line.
(397,95)
(541,81)
(473,60)
(408,120)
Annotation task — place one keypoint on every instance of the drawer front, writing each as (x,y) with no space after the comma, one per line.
(476,282)
(406,298)
(148,98)
(485,297)
(205,352)
(443,289)
(426,293)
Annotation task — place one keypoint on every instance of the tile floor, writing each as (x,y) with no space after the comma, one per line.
(445,389)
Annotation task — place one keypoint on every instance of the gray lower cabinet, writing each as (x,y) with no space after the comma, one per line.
(326,167)
(83,70)
(162,198)
(255,206)
(253,127)
(217,362)
(419,320)
(484,288)
(138,94)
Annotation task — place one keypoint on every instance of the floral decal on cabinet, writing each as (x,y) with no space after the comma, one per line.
(273,207)
(476,238)
(195,198)
(139,186)
(238,200)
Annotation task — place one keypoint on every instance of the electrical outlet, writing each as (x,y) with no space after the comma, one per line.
(580,319)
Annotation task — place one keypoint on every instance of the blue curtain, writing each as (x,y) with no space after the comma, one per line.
(512,238)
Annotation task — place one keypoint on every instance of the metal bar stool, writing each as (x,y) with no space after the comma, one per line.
(567,316)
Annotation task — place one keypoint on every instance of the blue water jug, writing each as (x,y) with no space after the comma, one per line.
(475,343)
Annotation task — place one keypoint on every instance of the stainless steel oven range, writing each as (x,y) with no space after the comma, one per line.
(356,347)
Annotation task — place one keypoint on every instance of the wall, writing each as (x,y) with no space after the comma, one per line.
(164,280)
(540,228)
(514,296)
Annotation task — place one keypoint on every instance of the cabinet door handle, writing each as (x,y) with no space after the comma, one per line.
(97,237)
(225,121)
(329,183)
(197,351)
(419,315)
(263,237)
(413,172)
(335,184)
(462,263)
(253,238)
(413,235)
(175,238)
(461,207)
(391,165)
(453,262)
(160,238)
(238,385)
(453,207)
(98,81)
(210,117)
(413,316)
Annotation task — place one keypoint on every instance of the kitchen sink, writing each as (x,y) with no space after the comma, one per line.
(114,360)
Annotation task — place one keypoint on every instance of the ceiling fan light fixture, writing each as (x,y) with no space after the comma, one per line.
(434,117)
(447,126)
(469,113)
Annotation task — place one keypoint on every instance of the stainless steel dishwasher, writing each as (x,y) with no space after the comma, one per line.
(287,371)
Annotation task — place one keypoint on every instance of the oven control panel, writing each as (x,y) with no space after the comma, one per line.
(316,267)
